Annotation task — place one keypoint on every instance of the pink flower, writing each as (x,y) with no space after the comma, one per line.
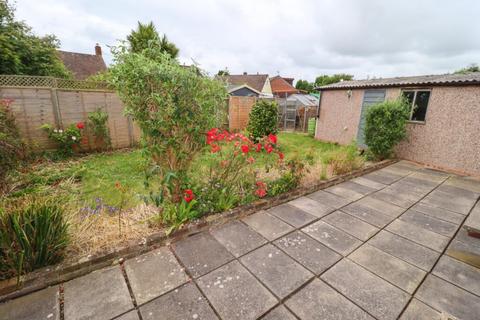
(214,148)
(281,155)
(259,147)
(268,148)
(251,160)
(260,193)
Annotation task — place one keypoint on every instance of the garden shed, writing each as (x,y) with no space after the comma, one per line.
(444,125)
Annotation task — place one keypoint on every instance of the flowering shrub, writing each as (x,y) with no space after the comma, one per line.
(66,139)
(12,148)
(231,171)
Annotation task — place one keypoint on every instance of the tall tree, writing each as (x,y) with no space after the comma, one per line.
(304,85)
(22,52)
(473,67)
(223,72)
(325,79)
(146,35)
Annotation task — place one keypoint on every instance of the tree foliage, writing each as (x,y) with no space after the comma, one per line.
(325,79)
(22,52)
(263,119)
(174,106)
(223,72)
(146,35)
(386,126)
(304,85)
(470,68)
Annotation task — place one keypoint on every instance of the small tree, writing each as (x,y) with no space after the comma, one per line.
(385,126)
(174,107)
(263,119)
(146,36)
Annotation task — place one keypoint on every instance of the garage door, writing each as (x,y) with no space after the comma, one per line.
(370,97)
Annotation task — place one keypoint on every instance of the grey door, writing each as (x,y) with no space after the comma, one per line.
(370,97)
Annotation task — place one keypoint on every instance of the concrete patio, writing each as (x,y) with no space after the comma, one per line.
(387,245)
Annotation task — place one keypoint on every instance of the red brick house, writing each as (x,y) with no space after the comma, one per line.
(83,65)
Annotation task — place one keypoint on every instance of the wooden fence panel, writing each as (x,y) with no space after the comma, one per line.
(238,111)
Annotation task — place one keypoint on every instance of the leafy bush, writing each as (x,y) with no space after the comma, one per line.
(67,140)
(32,235)
(344,160)
(263,119)
(385,126)
(12,148)
(98,124)
(292,173)
(174,107)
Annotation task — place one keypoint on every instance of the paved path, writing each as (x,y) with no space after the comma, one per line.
(376,247)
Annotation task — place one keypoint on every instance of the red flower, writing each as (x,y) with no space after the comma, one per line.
(245,148)
(261,193)
(259,147)
(268,148)
(261,184)
(281,155)
(215,148)
(188,195)
(80,125)
(272,138)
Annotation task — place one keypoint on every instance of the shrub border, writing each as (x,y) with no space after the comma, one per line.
(54,275)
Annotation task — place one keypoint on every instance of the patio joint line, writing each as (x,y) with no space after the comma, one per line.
(130,291)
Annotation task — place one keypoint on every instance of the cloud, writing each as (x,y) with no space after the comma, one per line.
(301,39)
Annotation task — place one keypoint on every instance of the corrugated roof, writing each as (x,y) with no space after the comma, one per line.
(256,81)
(431,80)
(304,99)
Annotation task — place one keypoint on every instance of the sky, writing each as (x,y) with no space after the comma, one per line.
(300,39)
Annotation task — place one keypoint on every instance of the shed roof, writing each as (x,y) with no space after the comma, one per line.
(429,80)
(82,65)
(255,81)
(304,99)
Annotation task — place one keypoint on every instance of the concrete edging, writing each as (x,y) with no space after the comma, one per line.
(63,272)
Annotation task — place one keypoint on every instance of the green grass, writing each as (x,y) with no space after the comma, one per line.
(95,176)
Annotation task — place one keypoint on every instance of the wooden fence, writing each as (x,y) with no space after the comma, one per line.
(60,102)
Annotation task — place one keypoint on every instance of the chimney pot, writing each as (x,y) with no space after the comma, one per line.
(98,50)
(244,73)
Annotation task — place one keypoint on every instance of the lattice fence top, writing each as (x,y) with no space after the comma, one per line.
(49,82)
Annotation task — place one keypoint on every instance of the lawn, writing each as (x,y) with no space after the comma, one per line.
(87,185)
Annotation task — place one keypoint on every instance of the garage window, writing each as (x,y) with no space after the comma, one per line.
(418,101)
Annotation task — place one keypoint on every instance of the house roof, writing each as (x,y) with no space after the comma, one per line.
(233,88)
(255,81)
(280,85)
(429,80)
(82,65)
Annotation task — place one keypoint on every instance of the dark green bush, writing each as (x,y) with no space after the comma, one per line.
(385,127)
(98,124)
(12,148)
(263,119)
(32,235)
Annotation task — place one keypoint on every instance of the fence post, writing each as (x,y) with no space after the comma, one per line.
(56,109)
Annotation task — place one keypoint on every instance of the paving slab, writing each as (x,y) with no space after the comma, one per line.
(369,183)
(459,192)
(292,215)
(308,252)
(329,199)
(319,301)
(270,227)
(465,248)
(351,225)
(332,237)
(396,197)
(368,214)
(472,224)
(449,201)
(459,273)
(439,213)
(311,206)
(42,304)
(237,237)
(152,274)
(373,294)
(347,191)
(399,170)
(404,249)
(414,187)
(201,254)
(235,293)
(467,183)
(276,270)
(446,297)
(279,313)
(183,303)
(384,207)
(102,294)
(394,270)
(383,176)
(132,315)
(417,310)
(430,223)
(419,235)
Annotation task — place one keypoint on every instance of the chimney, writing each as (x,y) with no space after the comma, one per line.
(98,50)
(244,73)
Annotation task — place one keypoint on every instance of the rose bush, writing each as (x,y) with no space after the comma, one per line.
(68,139)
